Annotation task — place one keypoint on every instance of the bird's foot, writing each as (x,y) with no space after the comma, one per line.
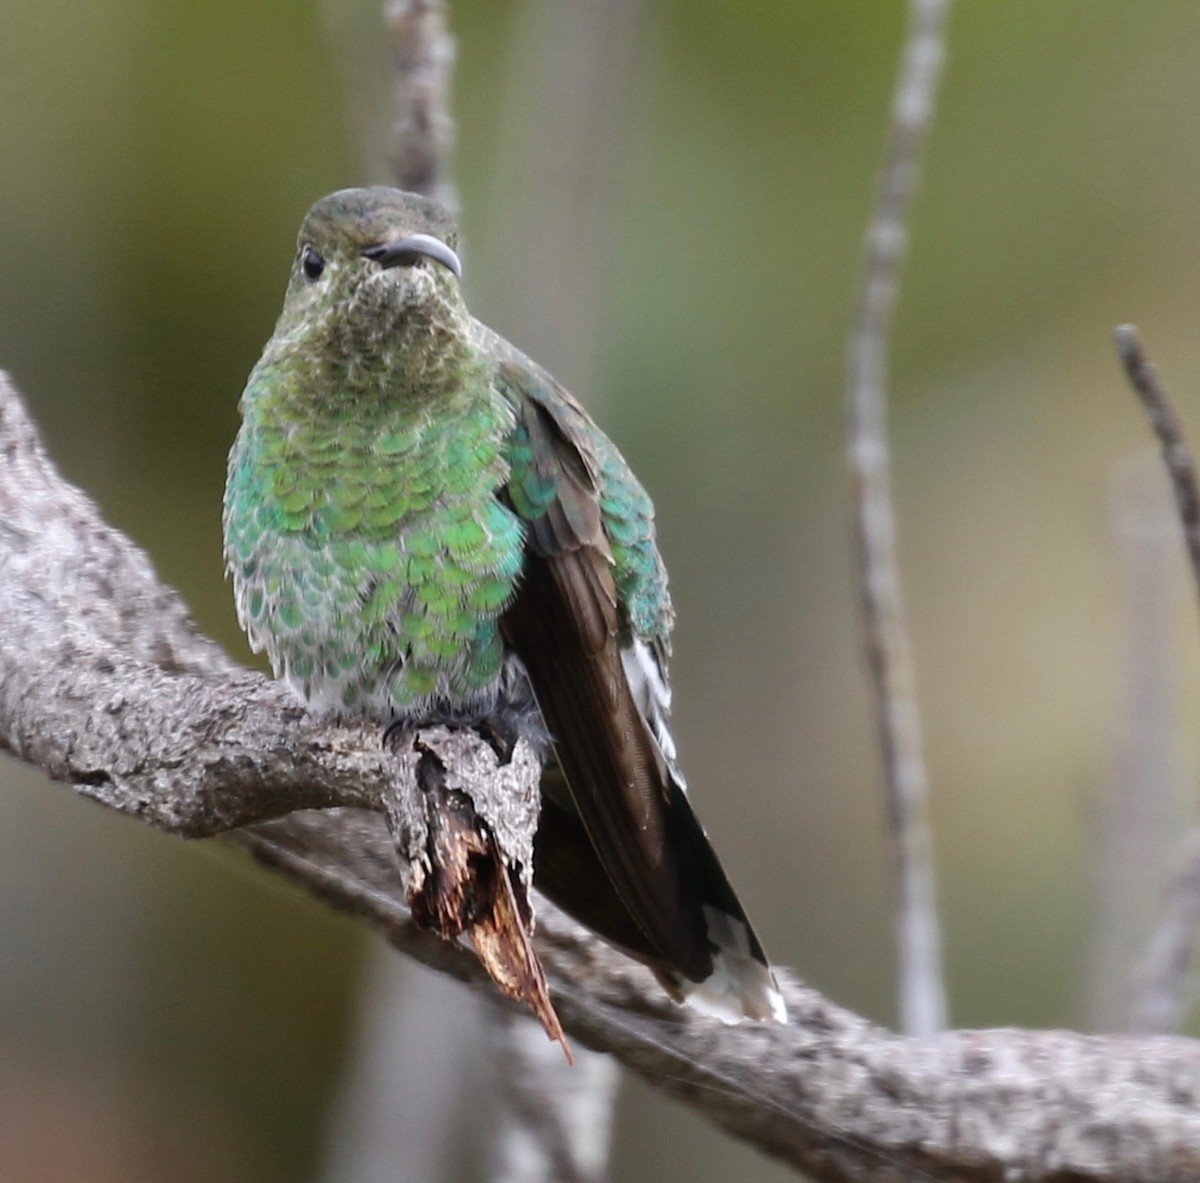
(500,731)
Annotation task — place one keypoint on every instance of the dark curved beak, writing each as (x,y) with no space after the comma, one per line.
(404,252)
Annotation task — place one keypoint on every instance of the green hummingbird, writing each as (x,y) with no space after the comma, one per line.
(422,525)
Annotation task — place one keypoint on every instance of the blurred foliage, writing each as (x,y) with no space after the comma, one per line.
(155,160)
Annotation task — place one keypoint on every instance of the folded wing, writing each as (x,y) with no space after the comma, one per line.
(601,689)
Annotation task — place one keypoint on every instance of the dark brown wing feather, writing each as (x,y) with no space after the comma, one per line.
(564,625)
(567,869)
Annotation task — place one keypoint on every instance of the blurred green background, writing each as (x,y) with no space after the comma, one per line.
(676,233)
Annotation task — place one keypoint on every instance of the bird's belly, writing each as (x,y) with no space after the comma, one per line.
(378,629)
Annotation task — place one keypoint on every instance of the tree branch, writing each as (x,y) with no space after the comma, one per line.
(1165,422)
(424,131)
(830,1093)
(889,654)
(554,1119)
(410,1096)
(1135,830)
(1163,985)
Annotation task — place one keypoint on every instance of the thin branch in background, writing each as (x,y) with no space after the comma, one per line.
(548,229)
(410,1077)
(423,133)
(1164,983)
(1177,456)
(1135,830)
(922,1001)
(554,1119)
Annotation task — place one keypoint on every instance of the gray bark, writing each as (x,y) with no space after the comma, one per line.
(106,684)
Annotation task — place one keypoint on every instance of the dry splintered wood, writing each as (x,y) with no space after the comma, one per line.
(466,856)
(106,685)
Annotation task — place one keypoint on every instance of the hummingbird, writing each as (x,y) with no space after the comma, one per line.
(422,525)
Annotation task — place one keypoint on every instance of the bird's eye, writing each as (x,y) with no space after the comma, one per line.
(312,262)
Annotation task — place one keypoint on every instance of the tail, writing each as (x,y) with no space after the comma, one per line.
(734,982)
(741,984)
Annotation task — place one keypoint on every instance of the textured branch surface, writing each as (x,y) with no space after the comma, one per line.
(105,683)
(889,655)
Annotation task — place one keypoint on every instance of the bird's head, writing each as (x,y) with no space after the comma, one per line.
(375,278)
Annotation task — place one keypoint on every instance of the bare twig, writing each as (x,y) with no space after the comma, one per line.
(1136,829)
(549,243)
(400,1110)
(829,1092)
(1177,456)
(921,990)
(424,130)
(553,1119)
(1163,985)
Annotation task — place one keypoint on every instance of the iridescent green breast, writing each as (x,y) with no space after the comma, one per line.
(370,557)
